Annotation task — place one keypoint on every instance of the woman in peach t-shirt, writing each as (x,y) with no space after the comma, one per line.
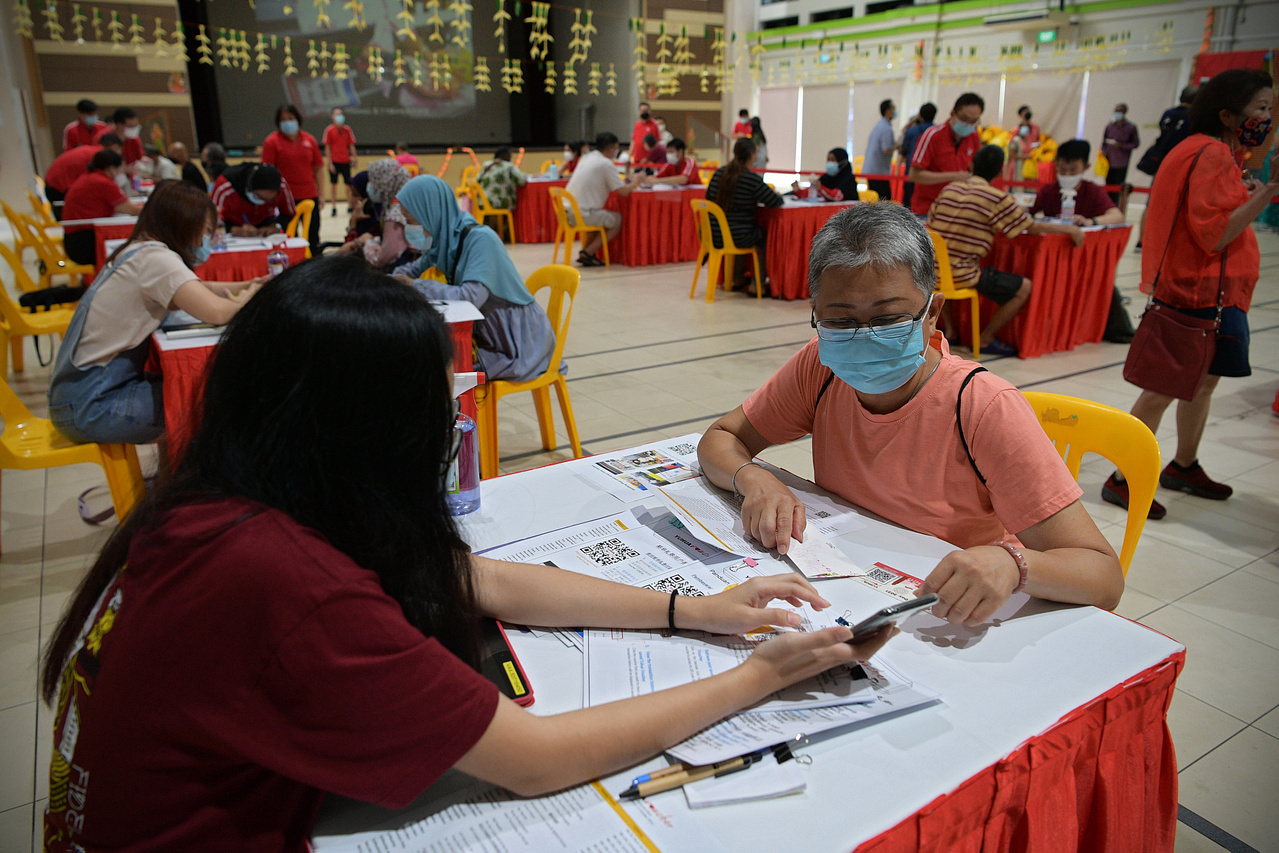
(881,407)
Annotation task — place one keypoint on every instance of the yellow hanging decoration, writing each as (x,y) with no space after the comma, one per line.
(417,71)
(500,18)
(434,21)
(97,24)
(506,75)
(340,61)
(461,24)
(223,54)
(161,38)
(180,41)
(405,17)
(116,29)
(245,55)
(548,84)
(539,40)
(435,71)
(77,23)
(517,76)
(263,59)
(593,79)
(51,22)
(204,50)
(640,51)
(313,59)
(481,74)
(582,32)
(290,68)
(683,54)
(704,81)
(377,69)
(610,81)
(570,80)
(398,66)
(324,57)
(356,8)
(22,19)
(446,71)
(321,17)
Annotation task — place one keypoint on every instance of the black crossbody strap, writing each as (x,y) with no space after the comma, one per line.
(959,420)
(822,392)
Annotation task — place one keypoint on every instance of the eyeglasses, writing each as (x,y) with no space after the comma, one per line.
(455,442)
(839,329)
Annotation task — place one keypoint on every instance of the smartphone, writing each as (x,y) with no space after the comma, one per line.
(501,666)
(890,615)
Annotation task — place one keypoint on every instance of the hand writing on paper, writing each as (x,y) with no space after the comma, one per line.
(744,607)
(789,658)
(771,514)
(972,584)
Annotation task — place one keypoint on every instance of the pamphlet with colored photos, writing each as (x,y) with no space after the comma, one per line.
(642,470)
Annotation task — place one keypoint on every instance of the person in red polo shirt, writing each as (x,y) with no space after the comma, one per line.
(86,129)
(253,200)
(644,127)
(128,127)
(339,151)
(680,169)
(94,195)
(742,128)
(296,154)
(69,166)
(945,151)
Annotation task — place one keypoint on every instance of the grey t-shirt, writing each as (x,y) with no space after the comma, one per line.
(877,161)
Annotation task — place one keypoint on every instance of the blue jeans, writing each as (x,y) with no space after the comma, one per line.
(114,403)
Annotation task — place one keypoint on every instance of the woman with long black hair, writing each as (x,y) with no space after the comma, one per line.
(294,612)
(740,191)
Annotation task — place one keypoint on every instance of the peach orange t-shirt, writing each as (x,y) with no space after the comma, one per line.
(909,466)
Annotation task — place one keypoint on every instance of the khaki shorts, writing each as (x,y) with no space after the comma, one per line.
(607,219)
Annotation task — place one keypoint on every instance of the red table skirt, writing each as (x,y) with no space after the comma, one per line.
(790,232)
(222,266)
(1102,780)
(103,233)
(534,217)
(658,227)
(1070,293)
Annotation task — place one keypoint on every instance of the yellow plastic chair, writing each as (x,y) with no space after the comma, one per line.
(1080,426)
(567,233)
(706,171)
(1102,166)
(868,196)
(52,255)
(42,213)
(946,287)
(546,165)
(16,323)
(481,210)
(468,177)
(857,164)
(301,217)
(563,282)
(21,239)
(30,443)
(704,210)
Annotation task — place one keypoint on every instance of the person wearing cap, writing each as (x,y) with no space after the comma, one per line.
(86,129)
(253,200)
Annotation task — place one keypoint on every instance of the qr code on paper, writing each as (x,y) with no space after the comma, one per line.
(683,449)
(821,513)
(609,552)
(881,576)
(674,583)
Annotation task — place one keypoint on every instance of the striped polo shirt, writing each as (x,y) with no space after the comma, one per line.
(967,215)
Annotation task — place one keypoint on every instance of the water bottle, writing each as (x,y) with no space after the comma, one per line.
(277,262)
(1068,205)
(554,171)
(462,484)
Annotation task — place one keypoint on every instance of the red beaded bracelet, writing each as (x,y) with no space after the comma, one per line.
(1019,558)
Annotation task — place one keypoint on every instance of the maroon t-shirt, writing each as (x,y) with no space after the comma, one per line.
(235,670)
(1090,200)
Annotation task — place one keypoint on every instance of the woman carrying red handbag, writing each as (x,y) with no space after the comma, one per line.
(1201,260)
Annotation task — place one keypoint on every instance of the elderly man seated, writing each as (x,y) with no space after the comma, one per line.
(919,436)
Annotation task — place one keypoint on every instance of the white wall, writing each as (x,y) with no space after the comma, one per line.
(778,109)
(825,123)
(17,170)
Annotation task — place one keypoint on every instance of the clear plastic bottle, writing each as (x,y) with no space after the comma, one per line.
(553,171)
(277,262)
(462,484)
(1068,205)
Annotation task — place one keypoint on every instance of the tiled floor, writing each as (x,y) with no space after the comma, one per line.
(646,362)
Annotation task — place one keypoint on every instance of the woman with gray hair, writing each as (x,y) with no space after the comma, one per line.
(906,430)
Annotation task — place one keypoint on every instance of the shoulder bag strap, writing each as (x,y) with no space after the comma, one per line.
(959,420)
(1185,191)
(822,392)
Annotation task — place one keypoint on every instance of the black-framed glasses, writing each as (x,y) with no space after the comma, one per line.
(839,329)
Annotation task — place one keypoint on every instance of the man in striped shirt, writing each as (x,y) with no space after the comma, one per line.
(967,214)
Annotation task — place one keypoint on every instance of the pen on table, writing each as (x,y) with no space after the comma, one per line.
(685,775)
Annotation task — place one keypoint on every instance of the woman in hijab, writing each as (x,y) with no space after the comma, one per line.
(515,340)
(253,200)
(390,251)
(838,184)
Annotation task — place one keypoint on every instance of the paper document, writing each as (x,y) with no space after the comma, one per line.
(754,730)
(643,469)
(819,557)
(763,781)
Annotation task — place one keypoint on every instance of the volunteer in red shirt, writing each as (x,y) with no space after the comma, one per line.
(945,151)
(644,127)
(297,155)
(339,152)
(129,128)
(86,129)
(94,195)
(69,166)
(680,168)
(253,200)
(742,128)
(250,638)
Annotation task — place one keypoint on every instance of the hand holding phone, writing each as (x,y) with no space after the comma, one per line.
(890,615)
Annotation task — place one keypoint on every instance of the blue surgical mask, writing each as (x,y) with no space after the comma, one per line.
(288,127)
(878,362)
(1024,130)
(339,119)
(962,128)
(90,121)
(374,195)
(418,238)
(202,252)
(832,168)
(254,198)
(1119,116)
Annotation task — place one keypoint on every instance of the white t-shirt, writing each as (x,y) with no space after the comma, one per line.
(592,181)
(132,303)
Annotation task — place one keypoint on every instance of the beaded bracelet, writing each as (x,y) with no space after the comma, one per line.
(1019,558)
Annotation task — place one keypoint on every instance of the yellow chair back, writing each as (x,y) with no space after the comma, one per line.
(43,211)
(16,323)
(21,239)
(52,254)
(567,232)
(946,287)
(705,211)
(546,165)
(857,163)
(481,210)
(300,224)
(868,196)
(1102,166)
(468,176)
(1077,427)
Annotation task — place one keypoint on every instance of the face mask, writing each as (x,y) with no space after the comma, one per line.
(288,128)
(1023,130)
(1253,132)
(132,132)
(568,155)
(832,168)
(374,195)
(339,119)
(644,116)
(90,121)
(122,181)
(672,159)
(962,128)
(418,238)
(202,252)
(875,363)
(254,199)
(1069,182)
(1119,116)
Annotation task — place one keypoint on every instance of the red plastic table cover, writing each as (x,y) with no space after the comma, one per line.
(789,233)
(1070,292)
(658,227)
(1103,780)
(534,217)
(222,266)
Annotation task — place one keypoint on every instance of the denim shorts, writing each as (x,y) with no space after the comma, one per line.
(1233,337)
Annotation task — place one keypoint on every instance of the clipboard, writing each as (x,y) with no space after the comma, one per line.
(501,666)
